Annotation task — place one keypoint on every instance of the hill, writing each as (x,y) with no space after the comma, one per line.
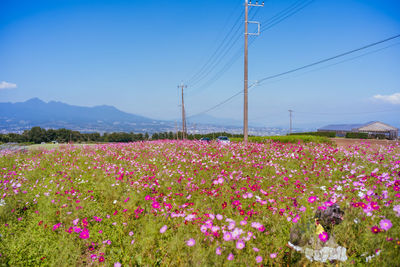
(35,112)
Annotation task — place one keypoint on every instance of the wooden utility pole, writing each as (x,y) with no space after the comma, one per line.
(246,66)
(246,75)
(182,86)
(290,125)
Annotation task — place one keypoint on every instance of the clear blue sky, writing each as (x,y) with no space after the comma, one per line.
(133,54)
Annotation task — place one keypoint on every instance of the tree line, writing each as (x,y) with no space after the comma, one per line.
(38,135)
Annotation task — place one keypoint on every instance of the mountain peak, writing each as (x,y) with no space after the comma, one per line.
(34,100)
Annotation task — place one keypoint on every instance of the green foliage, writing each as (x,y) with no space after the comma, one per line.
(357,135)
(38,135)
(288,139)
(112,181)
(326,134)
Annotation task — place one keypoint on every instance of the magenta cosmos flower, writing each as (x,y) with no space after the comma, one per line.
(84,234)
(191,242)
(259,259)
(385,224)
(312,199)
(375,229)
(324,236)
(155,205)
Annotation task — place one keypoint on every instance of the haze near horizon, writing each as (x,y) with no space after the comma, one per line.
(133,54)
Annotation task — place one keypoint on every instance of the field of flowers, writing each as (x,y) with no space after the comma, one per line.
(188,203)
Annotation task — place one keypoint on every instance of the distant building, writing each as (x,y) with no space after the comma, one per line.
(374,128)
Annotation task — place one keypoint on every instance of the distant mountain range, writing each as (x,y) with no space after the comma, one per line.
(17,117)
(35,112)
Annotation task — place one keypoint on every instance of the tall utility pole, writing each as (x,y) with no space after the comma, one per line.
(290,126)
(247,4)
(182,86)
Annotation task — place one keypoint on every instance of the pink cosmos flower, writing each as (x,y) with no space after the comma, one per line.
(130,233)
(273,255)
(240,244)
(163,229)
(84,234)
(227,236)
(259,259)
(296,218)
(56,226)
(324,236)
(396,208)
(84,222)
(191,242)
(75,222)
(155,205)
(117,264)
(385,224)
(230,257)
(218,251)
(312,199)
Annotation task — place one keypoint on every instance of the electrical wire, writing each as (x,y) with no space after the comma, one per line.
(327,59)
(276,19)
(336,63)
(218,50)
(298,69)
(283,15)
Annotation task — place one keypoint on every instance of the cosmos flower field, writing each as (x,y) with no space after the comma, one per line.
(188,203)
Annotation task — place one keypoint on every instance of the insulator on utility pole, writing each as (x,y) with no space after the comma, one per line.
(246,68)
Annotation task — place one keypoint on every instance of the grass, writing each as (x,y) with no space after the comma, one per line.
(288,139)
(121,195)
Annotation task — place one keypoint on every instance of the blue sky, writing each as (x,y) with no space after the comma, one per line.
(133,54)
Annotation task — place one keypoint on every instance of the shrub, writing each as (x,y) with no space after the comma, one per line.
(288,139)
(357,135)
(326,134)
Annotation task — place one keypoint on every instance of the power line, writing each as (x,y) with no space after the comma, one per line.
(276,19)
(298,69)
(287,13)
(217,105)
(325,114)
(351,113)
(327,59)
(342,61)
(215,55)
